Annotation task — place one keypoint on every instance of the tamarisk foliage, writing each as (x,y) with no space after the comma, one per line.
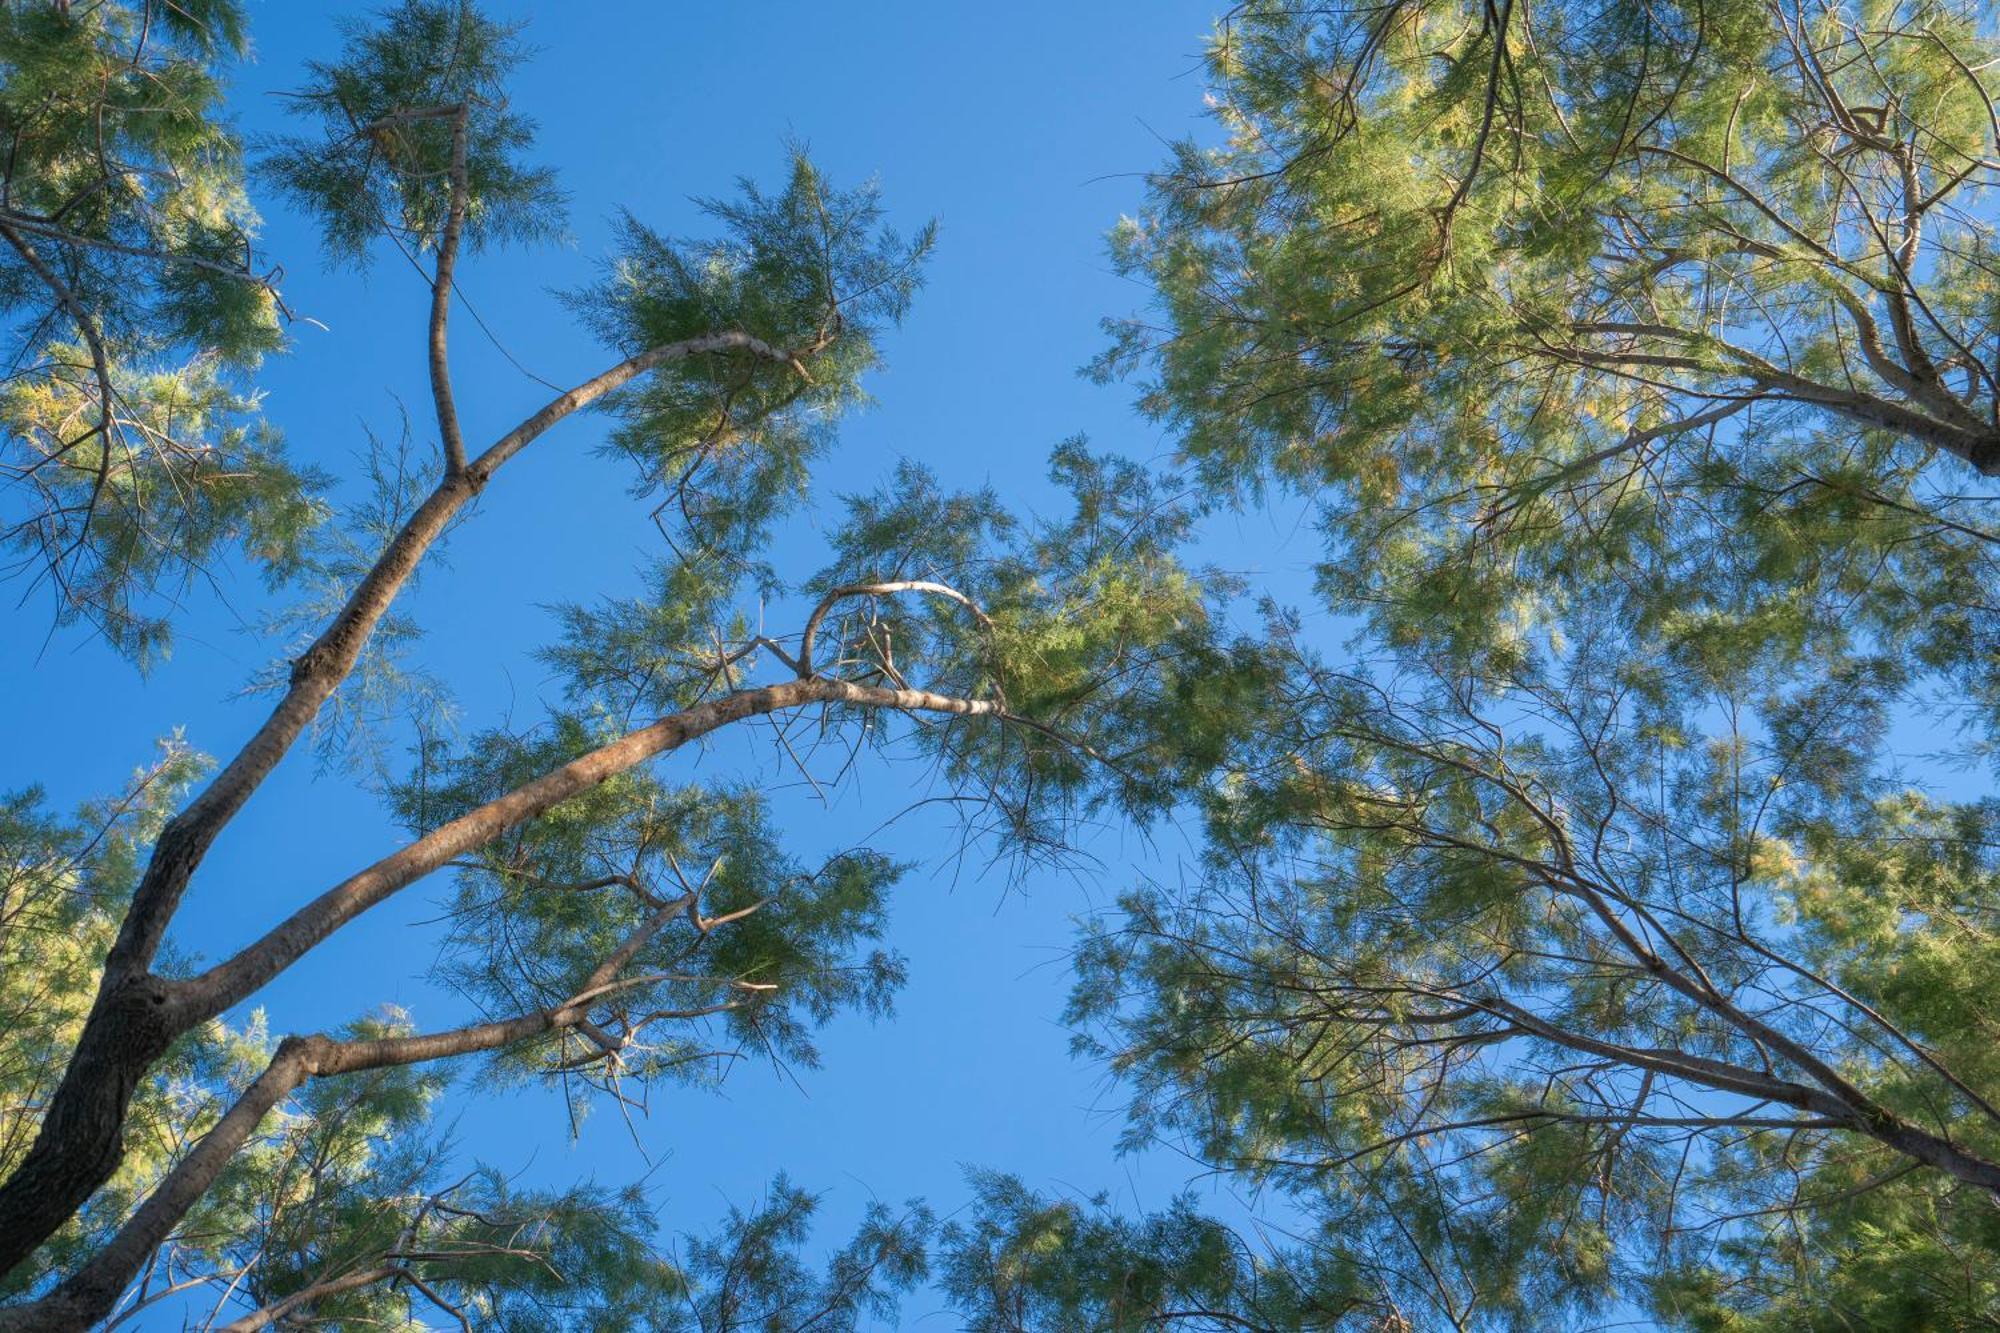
(1611,927)
(133,299)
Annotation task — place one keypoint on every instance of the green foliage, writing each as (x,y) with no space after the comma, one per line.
(348,1177)
(1596,301)
(1435,990)
(353,1179)
(1595,935)
(1086,623)
(748,1274)
(133,458)
(1898,908)
(1023,1261)
(723,441)
(759,951)
(658,652)
(131,517)
(1103,657)
(387,113)
(121,172)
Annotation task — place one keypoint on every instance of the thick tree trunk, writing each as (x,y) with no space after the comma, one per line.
(82,1137)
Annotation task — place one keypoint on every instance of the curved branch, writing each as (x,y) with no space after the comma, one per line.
(826,603)
(334,1286)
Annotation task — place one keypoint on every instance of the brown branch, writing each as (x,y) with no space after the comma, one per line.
(93,1289)
(228,982)
(826,603)
(447,261)
(272,1313)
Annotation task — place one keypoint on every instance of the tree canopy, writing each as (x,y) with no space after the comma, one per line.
(1607,925)
(1592,910)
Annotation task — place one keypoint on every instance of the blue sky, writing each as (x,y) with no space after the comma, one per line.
(1024,130)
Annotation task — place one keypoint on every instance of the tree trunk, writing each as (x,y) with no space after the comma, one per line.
(82,1137)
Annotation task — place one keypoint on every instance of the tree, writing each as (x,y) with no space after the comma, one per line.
(609,926)
(1660,329)
(1613,926)
(134,301)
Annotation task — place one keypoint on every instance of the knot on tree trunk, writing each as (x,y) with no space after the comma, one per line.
(141,1014)
(304,1053)
(312,662)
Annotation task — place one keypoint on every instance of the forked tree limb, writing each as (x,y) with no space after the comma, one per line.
(131,1024)
(93,1290)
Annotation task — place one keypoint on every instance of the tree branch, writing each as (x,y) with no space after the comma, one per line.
(447,262)
(225,984)
(826,603)
(92,1291)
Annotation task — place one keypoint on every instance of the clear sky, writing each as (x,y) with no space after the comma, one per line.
(1024,130)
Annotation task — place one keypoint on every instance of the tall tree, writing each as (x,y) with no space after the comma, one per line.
(609,926)
(1614,923)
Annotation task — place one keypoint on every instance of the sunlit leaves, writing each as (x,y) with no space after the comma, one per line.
(63,887)
(1105,653)
(1571,355)
(133,459)
(123,178)
(130,509)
